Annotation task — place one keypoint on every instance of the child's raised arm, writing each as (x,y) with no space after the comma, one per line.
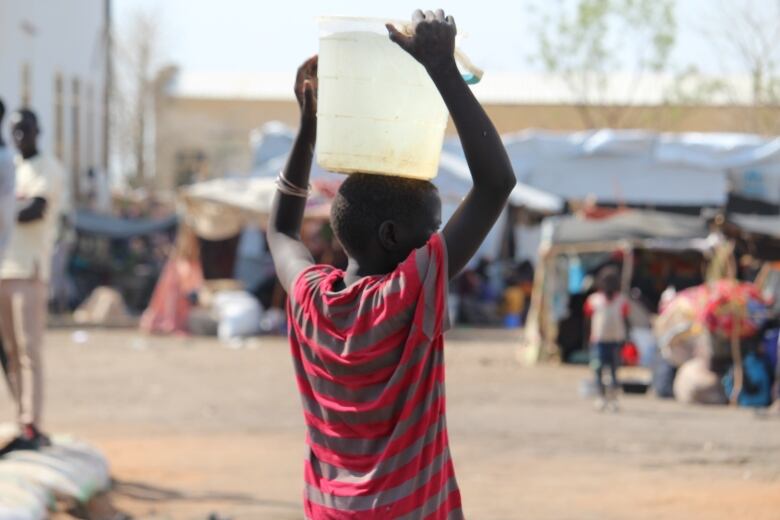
(284,227)
(433,45)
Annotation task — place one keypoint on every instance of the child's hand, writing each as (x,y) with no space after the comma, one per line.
(306,88)
(432,41)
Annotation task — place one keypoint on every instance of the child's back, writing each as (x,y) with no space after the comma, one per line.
(369,362)
(608,317)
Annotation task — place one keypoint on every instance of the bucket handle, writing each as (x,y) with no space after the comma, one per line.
(472,74)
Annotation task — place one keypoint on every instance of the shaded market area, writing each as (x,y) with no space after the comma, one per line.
(199,264)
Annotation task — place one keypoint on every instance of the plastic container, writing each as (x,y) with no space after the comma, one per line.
(513,321)
(378,110)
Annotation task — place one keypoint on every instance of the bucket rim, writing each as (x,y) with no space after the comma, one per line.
(366,19)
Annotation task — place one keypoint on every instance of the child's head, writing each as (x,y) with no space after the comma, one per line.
(379,219)
(608,280)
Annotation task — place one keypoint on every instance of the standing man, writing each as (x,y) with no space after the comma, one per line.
(7,203)
(7,194)
(24,275)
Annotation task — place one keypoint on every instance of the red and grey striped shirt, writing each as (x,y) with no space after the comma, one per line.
(370,367)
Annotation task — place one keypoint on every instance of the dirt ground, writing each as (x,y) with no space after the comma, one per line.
(193,428)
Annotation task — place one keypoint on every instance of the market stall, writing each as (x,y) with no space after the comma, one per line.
(710,335)
(219,264)
(110,251)
(653,251)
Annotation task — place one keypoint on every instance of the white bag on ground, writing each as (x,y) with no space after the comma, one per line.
(22,500)
(239,315)
(68,471)
(696,383)
(273,321)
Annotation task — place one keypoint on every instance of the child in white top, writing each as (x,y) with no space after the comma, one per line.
(607,313)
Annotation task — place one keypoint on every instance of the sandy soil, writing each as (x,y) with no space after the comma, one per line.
(193,428)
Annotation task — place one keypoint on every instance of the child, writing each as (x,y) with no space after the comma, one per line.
(607,313)
(367,342)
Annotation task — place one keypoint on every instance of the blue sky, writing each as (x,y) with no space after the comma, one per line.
(274,36)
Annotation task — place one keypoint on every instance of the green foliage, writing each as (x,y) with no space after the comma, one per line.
(743,35)
(596,38)
(692,88)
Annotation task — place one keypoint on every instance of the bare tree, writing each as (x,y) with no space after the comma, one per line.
(744,36)
(586,42)
(138,57)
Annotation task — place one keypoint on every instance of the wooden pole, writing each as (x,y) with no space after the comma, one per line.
(108,85)
(736,357)
(534,333)
(628,268)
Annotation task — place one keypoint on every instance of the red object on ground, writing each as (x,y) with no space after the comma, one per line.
(629,355)
(169,309)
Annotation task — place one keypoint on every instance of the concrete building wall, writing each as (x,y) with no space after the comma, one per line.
(52,59)
(218,130)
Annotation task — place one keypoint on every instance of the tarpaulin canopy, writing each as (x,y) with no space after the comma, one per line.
(633,167)
(630,167)
(108,226)
(757,235)
(767,225)
(245,194)
(271,145)
(566,240)
(220,208)
(273,142)
(707,151)
(630,225)
(455,178)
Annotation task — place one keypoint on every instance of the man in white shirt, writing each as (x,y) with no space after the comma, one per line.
(24,276)
(7,203)
(7,194)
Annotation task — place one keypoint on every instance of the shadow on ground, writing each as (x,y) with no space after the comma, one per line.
(102,507)
(149,493)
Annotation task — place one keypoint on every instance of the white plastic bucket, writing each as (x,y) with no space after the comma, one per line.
(378,110)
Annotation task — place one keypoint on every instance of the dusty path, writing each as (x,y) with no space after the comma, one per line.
(193,428)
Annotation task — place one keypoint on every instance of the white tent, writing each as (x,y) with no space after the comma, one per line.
(220,208)
(614,166)
(272,142)
(629,167)
(454,175)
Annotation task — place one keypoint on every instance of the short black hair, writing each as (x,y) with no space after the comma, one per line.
(2,109)
(364,201)
(608,279)
(26,113)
